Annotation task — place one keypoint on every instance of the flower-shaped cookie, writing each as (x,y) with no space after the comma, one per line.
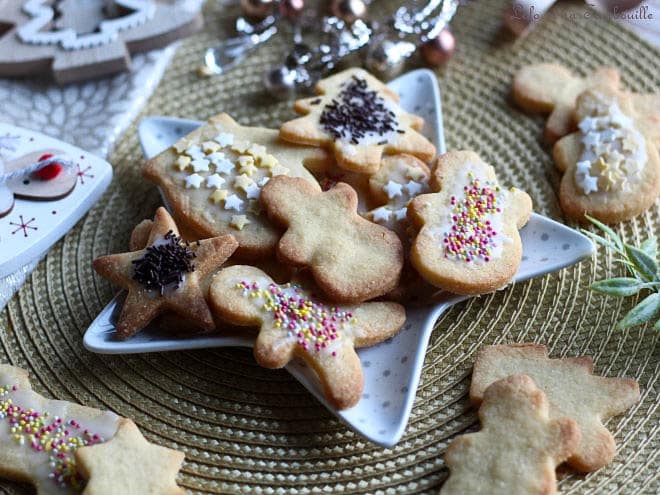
(351,258)
(552,89)
(572,391)
(212,179)
(518,447)
(293,323)
(611,165)
(166,276)
(468,242)
(359,118)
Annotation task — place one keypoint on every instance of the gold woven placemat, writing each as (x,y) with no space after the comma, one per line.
(248,430)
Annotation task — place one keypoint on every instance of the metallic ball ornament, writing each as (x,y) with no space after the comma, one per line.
(280,82)
(348,10)
(291,9)
(438,50)
(258,9)
(386,58)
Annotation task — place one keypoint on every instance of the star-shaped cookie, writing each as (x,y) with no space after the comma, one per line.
(572,391)
(518,447)
(166,276)
(351,259)
(212,179)
(294,323)
(552,89)
(129,465)
(468,240)
(611,166)
(359,118)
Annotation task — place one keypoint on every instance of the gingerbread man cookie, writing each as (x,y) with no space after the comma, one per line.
(212,180)
(166,276)
(518,447)
(359,118)
(293,323)
(552,89)
(611,166)
(572,391)
(352,259)
(468,242)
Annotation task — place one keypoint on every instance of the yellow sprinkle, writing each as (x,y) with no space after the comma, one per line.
(279,170)
(239,221)
(210,146)
(218,195)
(268,161)
(242,182)
(182,162)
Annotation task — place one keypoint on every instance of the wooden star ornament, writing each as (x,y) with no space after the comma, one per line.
(129,465)
(167,275)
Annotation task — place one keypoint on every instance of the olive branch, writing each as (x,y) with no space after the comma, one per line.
(641,263)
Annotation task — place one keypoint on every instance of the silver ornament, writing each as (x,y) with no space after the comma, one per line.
(280,82)
(348,10)
(258,9)
(386,57)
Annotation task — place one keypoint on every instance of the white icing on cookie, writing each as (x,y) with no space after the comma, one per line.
(613,150)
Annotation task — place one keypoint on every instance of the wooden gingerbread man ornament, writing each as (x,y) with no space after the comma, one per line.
(82,39)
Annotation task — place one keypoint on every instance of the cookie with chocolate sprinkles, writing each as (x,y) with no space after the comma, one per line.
(359,118)
(168,275)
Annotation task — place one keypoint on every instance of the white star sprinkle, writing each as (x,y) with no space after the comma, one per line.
(214,181)
(591,139)
(233,202)
(583,167)
(253,191)
(393,189)
(200,165)
(216,157)
(588,124)
(609,135)
(400,214)
(413,188)
(590,184)
(195,152)
(381,214)
(194,180)
(263,181)
(224,139)
(224,166)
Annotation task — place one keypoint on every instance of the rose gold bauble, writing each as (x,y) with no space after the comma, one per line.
(438,50)
(348,10)
(257,9)
(291,8)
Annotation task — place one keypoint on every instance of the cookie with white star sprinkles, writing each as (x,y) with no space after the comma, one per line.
(611,166)
(168,275)
(399,179)
(351,259)
(40,439)
(468,240)
(294,323)
(359,119)
(212,180)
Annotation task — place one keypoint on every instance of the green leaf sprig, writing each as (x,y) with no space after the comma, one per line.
(641,263)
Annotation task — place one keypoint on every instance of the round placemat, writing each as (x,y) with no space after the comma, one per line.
(245,429)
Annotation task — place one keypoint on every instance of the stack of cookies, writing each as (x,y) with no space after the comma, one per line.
(606,139)
(314,234)
(535,414)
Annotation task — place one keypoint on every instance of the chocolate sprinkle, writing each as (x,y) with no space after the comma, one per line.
(164,265)
(315,102)
(356,112)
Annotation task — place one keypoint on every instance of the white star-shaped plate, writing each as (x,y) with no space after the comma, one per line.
(392,369)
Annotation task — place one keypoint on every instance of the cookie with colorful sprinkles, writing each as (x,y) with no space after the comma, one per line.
(359,118)
(294,323)
(212,180)
(611,166)
(168,275)
(468,240)
(351,259)
(41,439)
